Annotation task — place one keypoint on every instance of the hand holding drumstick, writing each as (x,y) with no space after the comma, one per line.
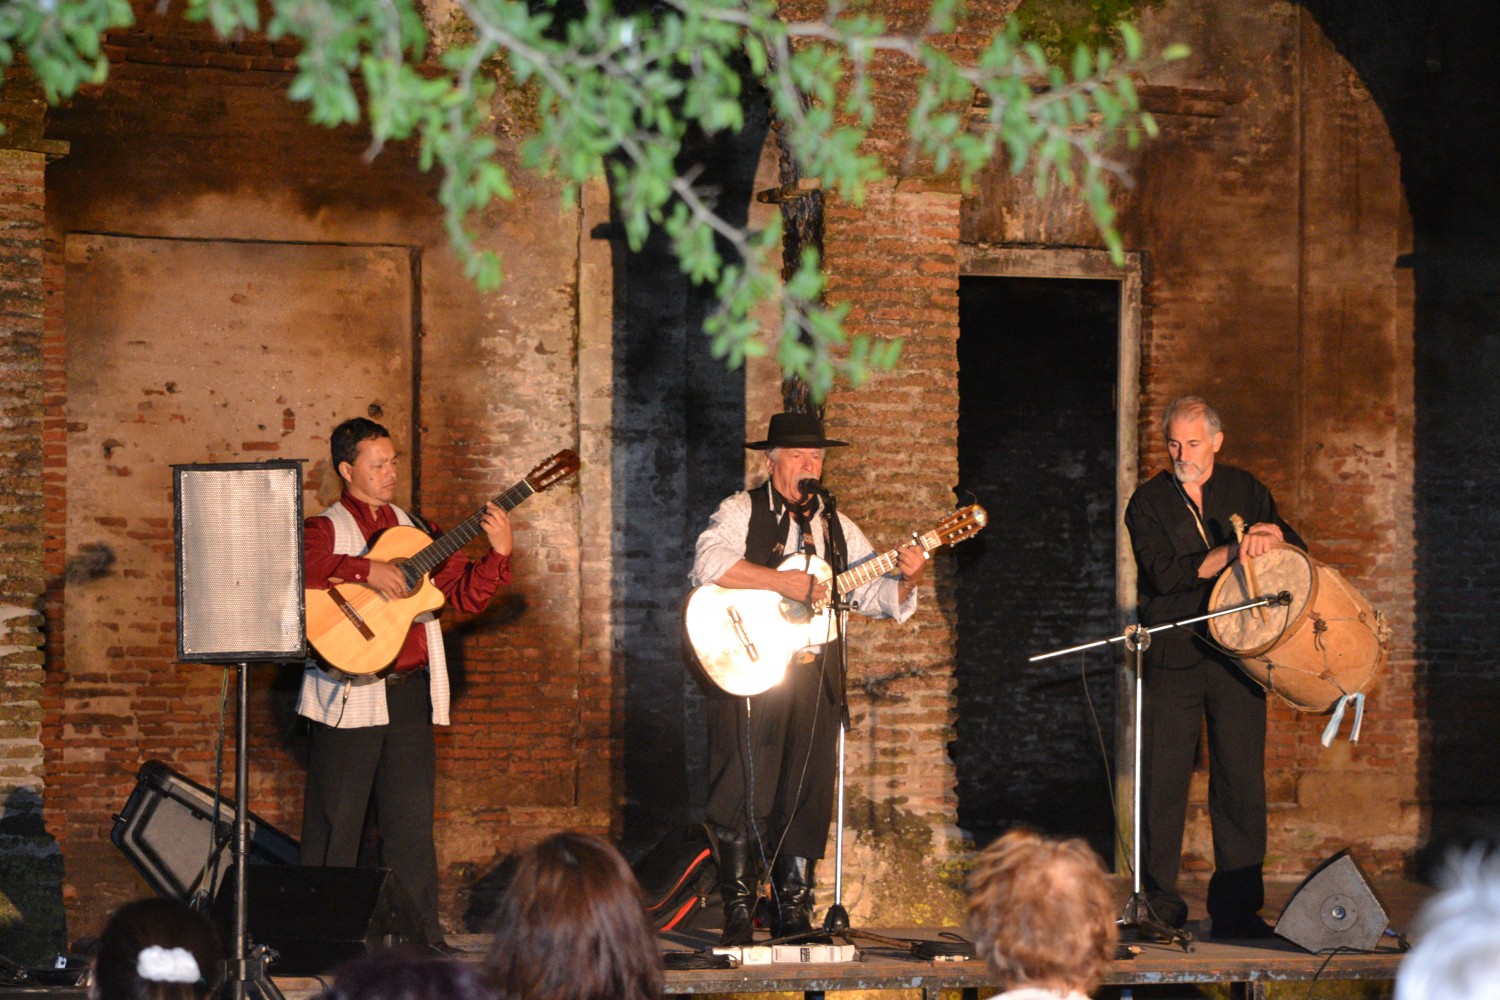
(1258,541)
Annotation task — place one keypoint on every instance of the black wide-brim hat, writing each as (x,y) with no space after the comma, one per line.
(795,430)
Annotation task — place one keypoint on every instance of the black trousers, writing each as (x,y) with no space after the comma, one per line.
(787,765)
(1176,703)
(388,768)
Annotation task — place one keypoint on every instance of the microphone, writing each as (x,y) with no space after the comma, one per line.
(811,486)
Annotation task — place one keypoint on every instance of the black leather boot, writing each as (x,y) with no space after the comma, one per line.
(736,888)
(1234,901)
(792,881)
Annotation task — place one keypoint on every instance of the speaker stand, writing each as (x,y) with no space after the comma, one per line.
(258,976)
(248,964)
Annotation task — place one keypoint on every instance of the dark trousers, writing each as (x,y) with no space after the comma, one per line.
(790,762)
(1176,703)
(391,768)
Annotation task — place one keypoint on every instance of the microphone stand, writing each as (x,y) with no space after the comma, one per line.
(1137,914)
(836,920)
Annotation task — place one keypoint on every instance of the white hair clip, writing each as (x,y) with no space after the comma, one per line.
(167,965)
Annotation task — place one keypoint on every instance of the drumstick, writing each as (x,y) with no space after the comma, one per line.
(1251,587)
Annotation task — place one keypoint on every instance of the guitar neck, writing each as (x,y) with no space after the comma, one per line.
(882,564)
(431,557)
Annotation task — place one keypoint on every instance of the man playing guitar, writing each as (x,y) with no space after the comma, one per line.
(370,735)
(788,756)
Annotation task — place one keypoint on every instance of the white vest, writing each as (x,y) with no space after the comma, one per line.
(351,701)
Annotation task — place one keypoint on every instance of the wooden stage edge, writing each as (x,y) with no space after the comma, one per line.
(1247,967)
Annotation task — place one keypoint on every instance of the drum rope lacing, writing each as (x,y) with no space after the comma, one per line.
(1382,633)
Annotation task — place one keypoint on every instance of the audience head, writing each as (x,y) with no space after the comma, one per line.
(401,974)
(156,949)
(572,926)
(1041,913)
(1457,955)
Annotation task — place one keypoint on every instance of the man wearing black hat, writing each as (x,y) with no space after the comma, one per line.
(772,757)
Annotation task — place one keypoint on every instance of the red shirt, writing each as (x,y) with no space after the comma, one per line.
(467,584)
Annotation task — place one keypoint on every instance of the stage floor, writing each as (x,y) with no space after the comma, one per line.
(1157,971)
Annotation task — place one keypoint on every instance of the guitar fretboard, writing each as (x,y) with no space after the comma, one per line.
(458,536)
(882,564)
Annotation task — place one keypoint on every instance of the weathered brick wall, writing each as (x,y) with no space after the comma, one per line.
(1428,70)
(895,262)
(492,391)
(1271,217)
(1271,222)
(31,919)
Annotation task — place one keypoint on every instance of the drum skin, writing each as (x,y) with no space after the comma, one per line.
(1328,643)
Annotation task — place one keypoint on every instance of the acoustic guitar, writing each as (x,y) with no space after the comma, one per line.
(745,639)
(357,629)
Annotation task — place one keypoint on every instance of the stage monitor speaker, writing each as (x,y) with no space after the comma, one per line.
(239,562)
(1334,907)
(316,919)
(168,831)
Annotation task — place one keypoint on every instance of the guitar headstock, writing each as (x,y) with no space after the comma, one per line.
(957,526)
(552,471)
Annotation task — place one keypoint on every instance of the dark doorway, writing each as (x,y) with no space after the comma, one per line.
(1037,444)
(679,428)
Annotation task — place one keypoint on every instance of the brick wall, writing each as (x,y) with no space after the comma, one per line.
(1426,71)
(491,390)
(894,260)
(31,919)
(1271,217)
(1271,222)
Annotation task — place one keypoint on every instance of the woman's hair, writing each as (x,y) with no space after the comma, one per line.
(156,949)
(572,926)
(1041,912)
(402,974)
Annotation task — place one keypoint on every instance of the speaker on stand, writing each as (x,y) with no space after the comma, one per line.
(1335,907)
(238,532)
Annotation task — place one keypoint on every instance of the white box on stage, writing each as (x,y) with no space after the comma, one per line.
(813,954)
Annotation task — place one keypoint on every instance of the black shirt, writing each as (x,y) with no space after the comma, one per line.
(1169,549)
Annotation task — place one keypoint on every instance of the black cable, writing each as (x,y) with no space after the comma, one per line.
(930,950)
(13,973)
(1109,777)
(1313,983)
(684,961)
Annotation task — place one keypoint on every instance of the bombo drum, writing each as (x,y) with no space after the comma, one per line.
(1327,643)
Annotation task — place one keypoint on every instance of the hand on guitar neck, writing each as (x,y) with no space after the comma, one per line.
(390,581)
